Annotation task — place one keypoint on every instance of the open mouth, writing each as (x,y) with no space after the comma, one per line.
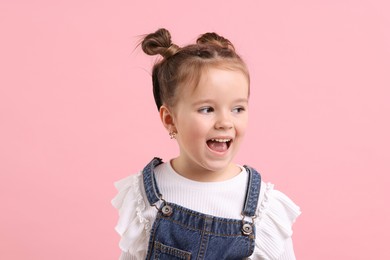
(219,144)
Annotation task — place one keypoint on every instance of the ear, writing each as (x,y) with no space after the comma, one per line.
(167,118)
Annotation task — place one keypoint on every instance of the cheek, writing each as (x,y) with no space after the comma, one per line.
(242,126)
(192,128)
(198,130)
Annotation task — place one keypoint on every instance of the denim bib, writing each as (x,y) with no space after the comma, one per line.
(181,233)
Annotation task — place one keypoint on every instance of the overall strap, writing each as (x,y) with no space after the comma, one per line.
(252,193)
(150,184)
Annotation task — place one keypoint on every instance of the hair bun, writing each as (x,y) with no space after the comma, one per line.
(159,42)
(215,39)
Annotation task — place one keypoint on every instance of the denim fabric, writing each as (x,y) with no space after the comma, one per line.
(150,185)
(181,233)
(253,191)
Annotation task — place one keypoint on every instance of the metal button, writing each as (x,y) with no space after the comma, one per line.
(167,210)
(247,229)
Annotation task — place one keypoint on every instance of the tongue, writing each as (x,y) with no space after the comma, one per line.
(217,146)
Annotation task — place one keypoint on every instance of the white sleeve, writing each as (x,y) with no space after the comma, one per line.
(288,253)
(275,216)
(135,217)
(127,256)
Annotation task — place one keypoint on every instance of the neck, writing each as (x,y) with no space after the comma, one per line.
(198,173)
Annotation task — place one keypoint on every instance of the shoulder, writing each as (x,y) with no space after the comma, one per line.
(276,214)
(135,215)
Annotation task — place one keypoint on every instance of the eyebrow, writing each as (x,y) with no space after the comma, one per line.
(241,100)
(203,101)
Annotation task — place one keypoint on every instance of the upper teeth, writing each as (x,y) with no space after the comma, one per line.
(221,140)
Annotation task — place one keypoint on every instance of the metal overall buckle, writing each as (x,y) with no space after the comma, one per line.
(166,209)
(247,228)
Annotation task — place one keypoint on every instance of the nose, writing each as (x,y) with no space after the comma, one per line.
(223,121)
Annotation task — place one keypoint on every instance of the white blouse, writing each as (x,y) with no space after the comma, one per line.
(275,212)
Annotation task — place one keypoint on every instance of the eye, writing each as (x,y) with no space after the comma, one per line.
(238,109)
(206,110)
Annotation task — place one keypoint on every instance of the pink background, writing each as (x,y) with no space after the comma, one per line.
(77,114)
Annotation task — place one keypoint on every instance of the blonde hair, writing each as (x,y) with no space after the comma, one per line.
(185,66)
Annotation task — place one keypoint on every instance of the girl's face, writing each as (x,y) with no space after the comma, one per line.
(210,121)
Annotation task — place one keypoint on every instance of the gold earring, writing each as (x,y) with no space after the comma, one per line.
(172,135)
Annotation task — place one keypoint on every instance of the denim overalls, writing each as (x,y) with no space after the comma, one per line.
(181,233)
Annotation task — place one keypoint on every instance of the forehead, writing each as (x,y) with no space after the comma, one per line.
(218,83)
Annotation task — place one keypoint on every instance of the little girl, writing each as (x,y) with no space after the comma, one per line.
(201,205)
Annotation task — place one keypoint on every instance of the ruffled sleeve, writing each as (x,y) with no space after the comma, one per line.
(132,226)
(276,214)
